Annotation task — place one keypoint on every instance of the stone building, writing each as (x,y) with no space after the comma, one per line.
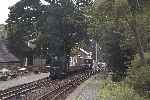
(78,59)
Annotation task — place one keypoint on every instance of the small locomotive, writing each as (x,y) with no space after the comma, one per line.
(58,71)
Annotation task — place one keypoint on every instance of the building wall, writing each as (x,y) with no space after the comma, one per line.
(39,61)
(78,60)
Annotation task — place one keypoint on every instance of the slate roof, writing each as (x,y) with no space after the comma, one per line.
(87,53)
(5,55)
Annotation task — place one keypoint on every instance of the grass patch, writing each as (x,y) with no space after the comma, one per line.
(137,62)
(139,75)
(117,91)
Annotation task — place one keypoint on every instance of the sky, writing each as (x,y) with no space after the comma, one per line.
(4,11)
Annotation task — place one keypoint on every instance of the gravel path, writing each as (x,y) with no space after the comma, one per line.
(22,80)
(88,90)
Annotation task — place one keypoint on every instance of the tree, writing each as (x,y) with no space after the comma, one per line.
(65,23)
(136,6)
(61,23)
(20,26)
(112,32)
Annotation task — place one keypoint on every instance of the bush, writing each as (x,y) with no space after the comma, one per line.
(139,76)
(137,62)
(117,91)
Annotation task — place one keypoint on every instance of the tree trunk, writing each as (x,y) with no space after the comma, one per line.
(30,60)
(138,40)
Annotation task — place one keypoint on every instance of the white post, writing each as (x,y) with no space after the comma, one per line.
(26,61)
(96,52)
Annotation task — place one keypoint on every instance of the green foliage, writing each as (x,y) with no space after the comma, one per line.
(116,16)
(117,54)
(139,76)
(111,32)
(57,26)
(20,25)
(117,91)
(64,22)
(136,4)
(136,61)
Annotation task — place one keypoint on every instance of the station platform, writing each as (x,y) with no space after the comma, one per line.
(87,90)
(22,80)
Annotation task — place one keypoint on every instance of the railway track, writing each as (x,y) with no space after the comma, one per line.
(22,89)
(44,89)
(57,93)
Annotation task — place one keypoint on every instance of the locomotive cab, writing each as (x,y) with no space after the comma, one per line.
(57,69)
(56,72)
(88,63)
